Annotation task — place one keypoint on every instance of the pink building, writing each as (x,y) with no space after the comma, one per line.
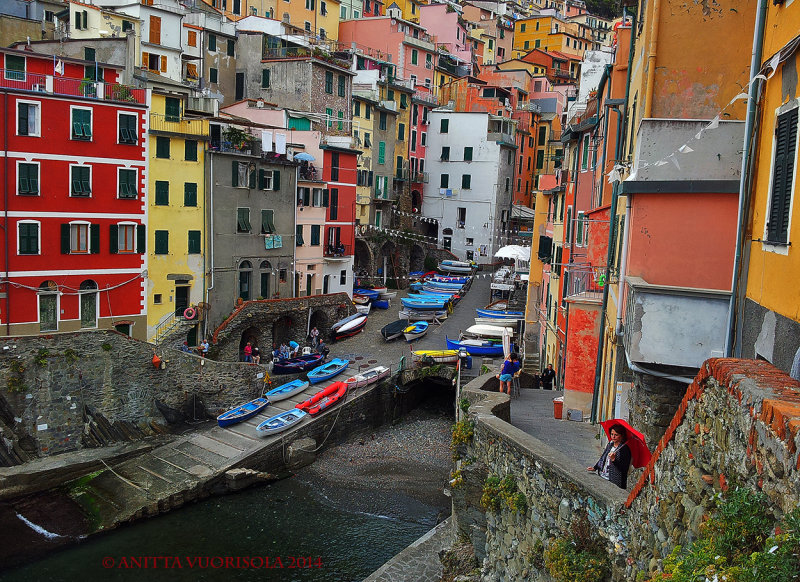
(448,28)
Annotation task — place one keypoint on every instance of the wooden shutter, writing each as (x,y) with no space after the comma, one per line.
(145,60)
(65,228)
(276,180)
(113,239)
(141,238)
(783,175)
(234,174)
(155,29)
(163,64)
(307,196)
(251,179)
(94,239)
(325,198)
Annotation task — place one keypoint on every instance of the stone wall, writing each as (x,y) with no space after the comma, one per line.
(510,544)
(269,321)
(738,424)
(69,391)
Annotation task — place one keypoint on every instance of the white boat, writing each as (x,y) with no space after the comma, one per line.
(367,377)
(416,330)
(364,308)
(493,321)
(438,356)
(411,314)
(387,294)
(280,422)
(489,330)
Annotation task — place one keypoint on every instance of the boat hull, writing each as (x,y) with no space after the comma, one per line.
(286,390)
(324,399)
(393,330)
(438,356)
(486,350)
(424,305)
(281,422)
(368,377)
(328,371)
(242,412)
(349,326)
(297,365)
(422,315)
(497,314)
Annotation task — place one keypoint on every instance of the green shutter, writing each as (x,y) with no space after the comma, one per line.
(267,224)
(172,109)
(468,154)
(325,198)
(276,180)
(234,174)
(94,239)
(382,152)
(162,242)
(444,126)
(194,242)
(190,150)
(141,238)
(306,196)
(243,220)
(162,147)
(251,180)
(189,194)
(568,226)
(262,179)
(162,193)
(265,78)
(231,48)
(782,176)
(212,42)
(298,235)
(65,239)
(113,239)
(466,180)
(315,232)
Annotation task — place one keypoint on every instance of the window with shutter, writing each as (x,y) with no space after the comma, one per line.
(124,238)
(172,109)
(28,238)
(212,42)
(315,235)
(329,82)
(127,184)
(276,180)
(81,181)
(444,126)
(162,147)
(333,203)
(128,133)
(189,194)
(243,220)
(27,179)
(267,222)
(15,68)
(82,124)
(265,78)
(231,48)
(381,152)
(777,231)
(190,150)
(162,193)
(467,154)
(194,242)
(466,181)
(342,85)
(162,242)
(155,30)
(298,235)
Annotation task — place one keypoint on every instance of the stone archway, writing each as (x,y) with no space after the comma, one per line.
(320,320)
(417,259)
(282,330)
(388,250)
(249,335)
(362,259)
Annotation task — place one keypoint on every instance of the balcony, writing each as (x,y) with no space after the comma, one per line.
(36,83)
(302,53)
(581,283)
(203,105)
(178,126)
(655,335)
(309,174)
(342,252)
(426,97)
(379,196)
(403,175)
(420,177)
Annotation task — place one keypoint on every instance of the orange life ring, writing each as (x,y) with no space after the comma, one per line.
(189,313)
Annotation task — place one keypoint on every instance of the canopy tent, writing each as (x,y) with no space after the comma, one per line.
(516,252)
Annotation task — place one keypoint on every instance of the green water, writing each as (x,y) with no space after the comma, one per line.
(289,526)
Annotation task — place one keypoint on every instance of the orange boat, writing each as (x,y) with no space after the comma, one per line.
(324,399)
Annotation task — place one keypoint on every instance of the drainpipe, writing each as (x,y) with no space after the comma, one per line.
(733,344)
(5,211)
(612,227)
(210,190)
(623,261)
(651,60)
(641,370)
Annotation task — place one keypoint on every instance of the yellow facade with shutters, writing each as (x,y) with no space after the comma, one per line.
(176,242)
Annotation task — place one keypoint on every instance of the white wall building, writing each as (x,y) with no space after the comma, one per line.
(470,159)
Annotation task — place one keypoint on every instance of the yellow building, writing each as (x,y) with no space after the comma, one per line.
(409,9)
(316,17)
(176,215)
(768,315)
(364,134)
(397,97)
(551,34)
(92,22)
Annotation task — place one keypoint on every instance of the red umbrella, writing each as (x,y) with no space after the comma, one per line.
(640,454)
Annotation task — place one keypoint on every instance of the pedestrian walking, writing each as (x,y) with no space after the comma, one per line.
(548,377)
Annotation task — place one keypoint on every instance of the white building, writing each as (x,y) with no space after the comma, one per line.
(470,159)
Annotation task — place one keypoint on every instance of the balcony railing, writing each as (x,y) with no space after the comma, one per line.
(178,126)
(310,174)
(581,281)
(420,177)
(426,96)
(35,82)
(301,52)
(342,250)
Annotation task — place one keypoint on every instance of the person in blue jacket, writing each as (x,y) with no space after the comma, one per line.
(511,367)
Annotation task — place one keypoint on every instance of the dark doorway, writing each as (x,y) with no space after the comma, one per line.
(309,279)
(191,336)
(181,299)
(239,87)
(325,284)
(248,335)
(282,330)
(123,328)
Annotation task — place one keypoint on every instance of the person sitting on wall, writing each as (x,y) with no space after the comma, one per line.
(616,458)
(256,355)
(340,250)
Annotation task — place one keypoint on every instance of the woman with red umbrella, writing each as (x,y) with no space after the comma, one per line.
(616,458)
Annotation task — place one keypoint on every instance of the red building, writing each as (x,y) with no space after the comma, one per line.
(340,172)
(74,188)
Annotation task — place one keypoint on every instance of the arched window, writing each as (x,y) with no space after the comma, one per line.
(88,302)
(48,306)
(447,232)
(245,279)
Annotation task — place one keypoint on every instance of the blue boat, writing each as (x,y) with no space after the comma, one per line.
(454,297)
(286,390)
(281,422)
(242,412)
(416,286)
(500,314)
(328,371)
(477,347)
(416,330)
(425,303)
(445,284)
(372,294)
(434,290)
(443,279)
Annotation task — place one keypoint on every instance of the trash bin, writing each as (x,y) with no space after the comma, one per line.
(468,362)
(558,407)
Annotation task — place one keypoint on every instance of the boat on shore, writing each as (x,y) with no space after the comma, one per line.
(438,356)
(425,303)
(324,399)
(498,305)
(415,331)
(364,309)
(286,390)
(328,371)
(489,330)
(476,347)
(384,295)
(297,365)
(498,314)
(371,293)
(416,315)
(394,329)
(493,321)
(381,304)
(280,422)
(242,412)
(367,377)
(457,267)
(348,326)
(360,299)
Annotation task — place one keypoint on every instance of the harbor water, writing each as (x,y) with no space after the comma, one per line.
(359,504)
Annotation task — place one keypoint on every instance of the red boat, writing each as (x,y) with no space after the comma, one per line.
(324,398)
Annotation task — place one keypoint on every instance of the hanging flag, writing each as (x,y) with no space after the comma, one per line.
(685,149)
(59,68)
